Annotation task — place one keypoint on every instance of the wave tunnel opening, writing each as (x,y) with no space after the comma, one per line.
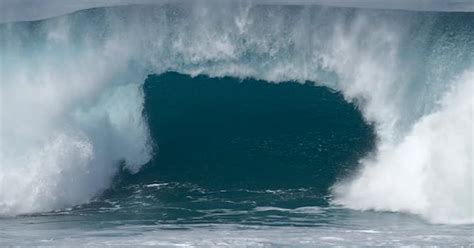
(252,134)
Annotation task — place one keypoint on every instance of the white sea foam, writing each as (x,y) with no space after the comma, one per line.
(430,172)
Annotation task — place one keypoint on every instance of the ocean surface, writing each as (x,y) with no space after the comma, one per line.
(237,125)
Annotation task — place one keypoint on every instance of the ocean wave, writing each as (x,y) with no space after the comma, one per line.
(72,101)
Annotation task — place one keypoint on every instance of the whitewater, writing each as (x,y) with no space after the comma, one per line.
(72,98)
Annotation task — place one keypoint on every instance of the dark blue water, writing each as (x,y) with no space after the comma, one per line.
(228,133)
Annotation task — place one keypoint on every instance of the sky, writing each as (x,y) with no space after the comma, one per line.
(23,10)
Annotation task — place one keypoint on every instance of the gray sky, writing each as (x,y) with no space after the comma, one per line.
(20,10)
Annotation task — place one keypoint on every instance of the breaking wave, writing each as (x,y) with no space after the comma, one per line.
(72,98)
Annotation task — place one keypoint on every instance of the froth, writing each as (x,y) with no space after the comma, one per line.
(430,172)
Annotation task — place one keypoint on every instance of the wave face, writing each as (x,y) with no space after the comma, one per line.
(72,98)
(247,134)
